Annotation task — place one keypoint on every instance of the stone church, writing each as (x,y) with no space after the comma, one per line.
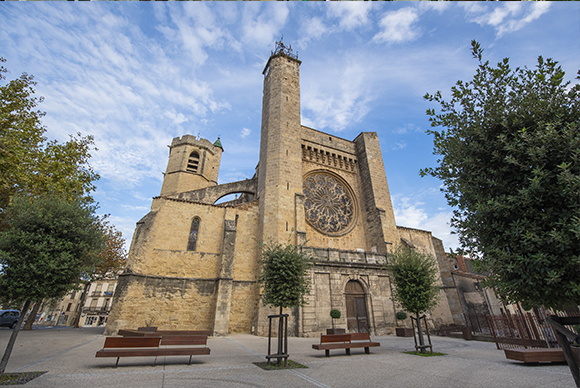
(193,264)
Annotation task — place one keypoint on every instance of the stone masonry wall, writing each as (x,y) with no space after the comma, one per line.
(423,240)
(172,288)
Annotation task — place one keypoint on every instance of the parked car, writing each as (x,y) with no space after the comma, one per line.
(9,318)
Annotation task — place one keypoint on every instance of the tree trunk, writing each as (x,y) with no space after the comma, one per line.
(77,319)
(32,316)
(280,335)
(420,334)
(12,340)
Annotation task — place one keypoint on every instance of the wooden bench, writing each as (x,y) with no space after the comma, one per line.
(345,341)
(160,333)
(535,355)
(154,346)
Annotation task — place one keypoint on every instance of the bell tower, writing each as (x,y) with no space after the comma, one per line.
(280,166)
(193,164)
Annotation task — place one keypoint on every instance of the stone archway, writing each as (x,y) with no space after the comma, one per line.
(357,318)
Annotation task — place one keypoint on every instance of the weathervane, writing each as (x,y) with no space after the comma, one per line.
(282,48)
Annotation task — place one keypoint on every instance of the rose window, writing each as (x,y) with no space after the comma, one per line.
(328,204)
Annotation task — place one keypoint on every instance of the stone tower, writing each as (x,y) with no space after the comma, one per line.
(193,164)
(280,166)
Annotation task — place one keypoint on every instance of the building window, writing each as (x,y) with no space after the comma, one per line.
(193,234)
(72,296)
(68,307)
(193,162)
(99,288)
(94,303)
(90,321)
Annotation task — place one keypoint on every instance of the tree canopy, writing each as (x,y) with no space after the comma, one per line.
(414,276)
(29,162)
(284,275)
(509,159)
(49,245)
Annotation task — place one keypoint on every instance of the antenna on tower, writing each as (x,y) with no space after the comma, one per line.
(281,48)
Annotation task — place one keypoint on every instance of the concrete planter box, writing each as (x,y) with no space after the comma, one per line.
(404,332)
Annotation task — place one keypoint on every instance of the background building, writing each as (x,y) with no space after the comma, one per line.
(95,310)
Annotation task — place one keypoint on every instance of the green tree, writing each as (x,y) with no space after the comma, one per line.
(509,159)
(284,275)
(111,260)
(414,276)
(50,243)
(284,278)
(28,161)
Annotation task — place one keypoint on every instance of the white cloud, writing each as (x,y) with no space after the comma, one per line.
(412,213)
(398,26)
(340,97)
(245,133)
(351,14)
(507,17)
(407,128)
(263,28)
(175,117)
(312,28)
(399,145)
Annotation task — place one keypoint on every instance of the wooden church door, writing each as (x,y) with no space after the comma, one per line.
(356,310)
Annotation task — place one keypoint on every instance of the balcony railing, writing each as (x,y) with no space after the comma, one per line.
(96,309)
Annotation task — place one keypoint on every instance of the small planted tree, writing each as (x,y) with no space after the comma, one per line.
(284,279)
(414,275)
(401,315)
(334,314)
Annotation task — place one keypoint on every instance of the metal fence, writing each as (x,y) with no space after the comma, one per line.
(478,324)
(512,331)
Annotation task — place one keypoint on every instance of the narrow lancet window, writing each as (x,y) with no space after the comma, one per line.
(193,234)
(193,162)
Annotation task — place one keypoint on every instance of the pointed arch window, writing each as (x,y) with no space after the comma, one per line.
(193,162)
(193,234)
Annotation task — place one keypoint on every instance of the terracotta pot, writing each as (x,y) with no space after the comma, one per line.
(404,332)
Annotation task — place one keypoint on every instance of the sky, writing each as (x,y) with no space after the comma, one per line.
(137,74)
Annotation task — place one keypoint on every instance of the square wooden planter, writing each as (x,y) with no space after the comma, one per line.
(404,332)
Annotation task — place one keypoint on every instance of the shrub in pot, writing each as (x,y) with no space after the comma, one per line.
(403,331)
(335,314)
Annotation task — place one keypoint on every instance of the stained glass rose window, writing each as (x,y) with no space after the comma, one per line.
(328,204)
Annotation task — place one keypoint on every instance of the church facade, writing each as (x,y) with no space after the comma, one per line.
(194,264)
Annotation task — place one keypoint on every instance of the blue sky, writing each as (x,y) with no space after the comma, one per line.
(137,74)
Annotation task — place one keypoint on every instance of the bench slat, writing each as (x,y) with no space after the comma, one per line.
(360,337)
(127,353)
(182,351)
(161,333)
(326,338)
(183,340)
(131,342)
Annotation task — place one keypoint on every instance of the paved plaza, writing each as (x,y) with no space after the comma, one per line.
(68,356)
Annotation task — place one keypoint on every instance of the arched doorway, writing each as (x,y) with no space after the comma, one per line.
(356,308)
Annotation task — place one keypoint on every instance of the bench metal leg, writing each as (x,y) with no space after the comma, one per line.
(367,350)
(327,352)
(190,359)
(117,363)
(347,351)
